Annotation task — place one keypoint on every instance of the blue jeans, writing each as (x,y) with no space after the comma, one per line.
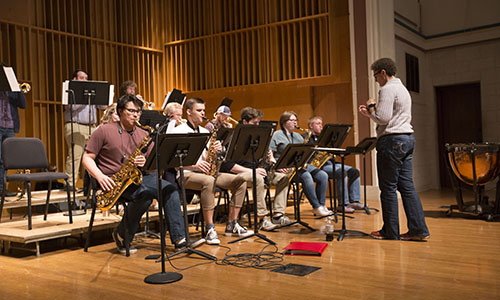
(351,181)
(394,167)
(4,133)
(140,199)
(315,195)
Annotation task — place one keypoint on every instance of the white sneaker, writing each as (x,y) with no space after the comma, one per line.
(267,225)
(321,211)
(211,237)
(327,210)
(282,221)
(237,230)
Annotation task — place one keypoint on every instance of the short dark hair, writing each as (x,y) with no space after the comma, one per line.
(249,113)
(123,100)
(124,86)
(192,101)
(386,64)
(75,74)
(285,116)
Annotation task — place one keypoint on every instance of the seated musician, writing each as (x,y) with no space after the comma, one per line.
(351,175)
(195,178)
(308,176)
(173,110)
(243,168)
(106,152)
(221,116)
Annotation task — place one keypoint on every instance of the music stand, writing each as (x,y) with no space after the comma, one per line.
(295,156)
(363,147)
(178,150)
(224,135)
(150,118)
(86,93)
(342,153)
(8,80)
(250,142)
(333,136)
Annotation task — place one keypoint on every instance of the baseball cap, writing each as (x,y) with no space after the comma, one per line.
(224,110)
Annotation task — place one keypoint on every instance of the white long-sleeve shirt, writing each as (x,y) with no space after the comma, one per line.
(393,113)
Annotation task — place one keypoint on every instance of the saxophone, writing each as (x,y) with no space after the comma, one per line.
(127,175)
(212,153)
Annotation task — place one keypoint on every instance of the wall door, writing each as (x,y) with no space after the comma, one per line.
(459,120)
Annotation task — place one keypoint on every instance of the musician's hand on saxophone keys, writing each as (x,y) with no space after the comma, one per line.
(284,171)
(139,161)
(105,182)
(217,146)
(203,166)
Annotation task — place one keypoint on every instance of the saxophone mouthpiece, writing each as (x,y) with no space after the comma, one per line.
(205,119)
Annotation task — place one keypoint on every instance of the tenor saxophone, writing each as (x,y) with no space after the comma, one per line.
(128,174)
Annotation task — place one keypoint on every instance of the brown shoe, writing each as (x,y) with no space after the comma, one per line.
(377,235)
(408,237)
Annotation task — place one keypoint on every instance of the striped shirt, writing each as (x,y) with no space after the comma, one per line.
(393,113)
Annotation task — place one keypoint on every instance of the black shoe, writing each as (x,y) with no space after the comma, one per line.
(119,244)
(10,194)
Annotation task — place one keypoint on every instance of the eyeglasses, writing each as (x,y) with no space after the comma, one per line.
(132,111)
(292,120)
(375,75)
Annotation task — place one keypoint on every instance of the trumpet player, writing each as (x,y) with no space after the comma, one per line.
(351,178)
(222,117)
(308,176)
(243,168)
(195,178)
(9,123)
(130,87)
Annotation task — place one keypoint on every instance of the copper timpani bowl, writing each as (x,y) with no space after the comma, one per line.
(486,157)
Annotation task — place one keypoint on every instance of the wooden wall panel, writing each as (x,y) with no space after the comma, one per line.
(113,40)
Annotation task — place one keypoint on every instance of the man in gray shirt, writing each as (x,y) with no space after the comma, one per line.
(395,146)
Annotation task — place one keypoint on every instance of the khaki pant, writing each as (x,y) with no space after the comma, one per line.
(205,184)
(280,180)
(80,138)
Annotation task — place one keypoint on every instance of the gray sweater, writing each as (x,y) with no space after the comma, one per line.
(393,113)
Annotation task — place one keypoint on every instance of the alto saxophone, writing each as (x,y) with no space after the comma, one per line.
(212,153)
(128,174)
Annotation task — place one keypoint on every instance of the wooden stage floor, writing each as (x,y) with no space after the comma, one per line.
(461,260)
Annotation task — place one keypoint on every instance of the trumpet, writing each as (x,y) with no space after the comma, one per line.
(25,87)
(148,105)
(229,120)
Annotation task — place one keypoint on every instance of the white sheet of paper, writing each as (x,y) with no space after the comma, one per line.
(11,78)
(65,87)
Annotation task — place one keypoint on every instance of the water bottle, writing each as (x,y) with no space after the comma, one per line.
(328,229)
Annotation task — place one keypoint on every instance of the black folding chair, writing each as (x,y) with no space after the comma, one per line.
(29,153)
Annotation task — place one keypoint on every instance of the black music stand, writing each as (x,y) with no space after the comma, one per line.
(333,136)
(150,118)
(178,150)
(295,156)
(224,135)
(86,93)
(250,142)
(342,153)
(363,147)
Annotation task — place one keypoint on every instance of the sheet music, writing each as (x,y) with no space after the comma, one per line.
(11,78)
(111,94)
(65,87)
(165,101)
